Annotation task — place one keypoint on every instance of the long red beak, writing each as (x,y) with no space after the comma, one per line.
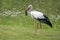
(26,11)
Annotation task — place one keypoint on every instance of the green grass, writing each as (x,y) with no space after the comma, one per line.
(16,32)
(21,27)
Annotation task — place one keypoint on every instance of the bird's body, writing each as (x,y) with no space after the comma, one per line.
(38,16)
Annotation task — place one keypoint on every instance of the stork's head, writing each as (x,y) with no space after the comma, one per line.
(28,9)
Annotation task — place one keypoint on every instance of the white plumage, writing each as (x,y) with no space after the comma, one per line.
(33,13)
(38,16)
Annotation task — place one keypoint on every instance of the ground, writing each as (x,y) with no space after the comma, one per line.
(14,25)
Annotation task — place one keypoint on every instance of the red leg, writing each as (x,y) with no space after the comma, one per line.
(36,28)
(40,27)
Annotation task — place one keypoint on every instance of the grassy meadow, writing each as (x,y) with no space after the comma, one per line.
(14,25)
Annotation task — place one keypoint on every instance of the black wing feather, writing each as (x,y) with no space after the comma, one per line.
(45,20)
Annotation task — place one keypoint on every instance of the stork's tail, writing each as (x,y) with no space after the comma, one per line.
(49,23)
(46,21)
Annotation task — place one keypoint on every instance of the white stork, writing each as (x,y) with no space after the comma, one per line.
(38,16)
